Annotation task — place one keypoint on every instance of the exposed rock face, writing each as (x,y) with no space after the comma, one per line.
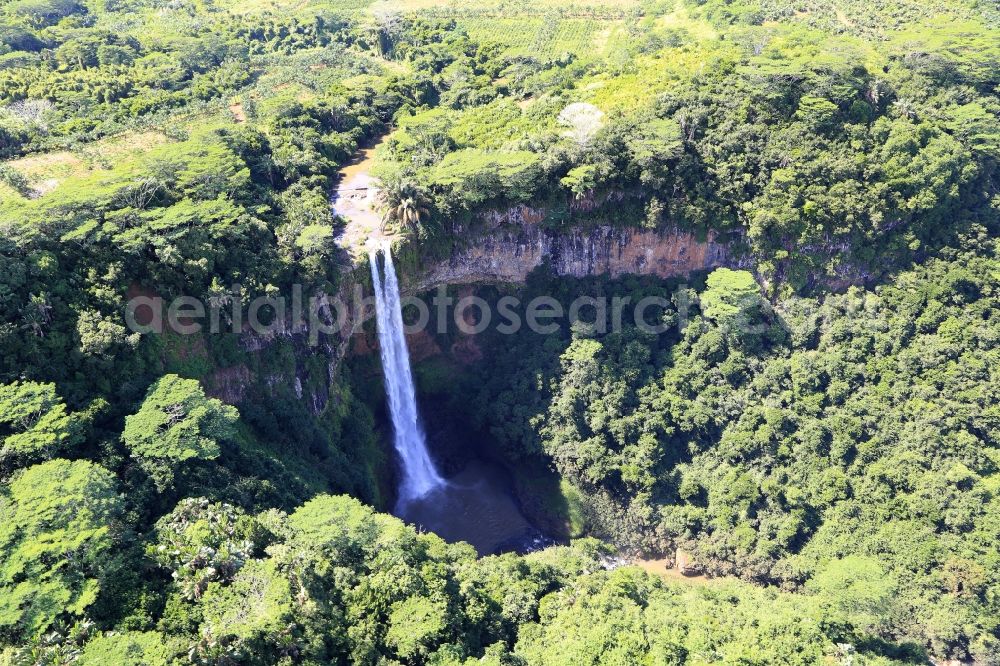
(230,384)
(513,246)
(509,252)
(686,565)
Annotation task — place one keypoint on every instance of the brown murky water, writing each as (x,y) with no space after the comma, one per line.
(354,201)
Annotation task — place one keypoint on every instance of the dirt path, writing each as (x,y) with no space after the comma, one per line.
(354,200)
(239,115)
(664,569)
(842,17)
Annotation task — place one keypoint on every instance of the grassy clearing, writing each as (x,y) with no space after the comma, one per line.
(879,20)
(645,78)
(681,19)
(665,569)
(261,7)
(46,171)
(545,28)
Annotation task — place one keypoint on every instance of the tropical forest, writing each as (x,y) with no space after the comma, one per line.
(499,332)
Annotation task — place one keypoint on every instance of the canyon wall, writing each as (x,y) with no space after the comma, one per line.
(514,244)
(510,250)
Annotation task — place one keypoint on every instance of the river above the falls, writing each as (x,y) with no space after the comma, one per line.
(354,201)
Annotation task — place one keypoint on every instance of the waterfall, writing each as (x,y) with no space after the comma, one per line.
(420,476)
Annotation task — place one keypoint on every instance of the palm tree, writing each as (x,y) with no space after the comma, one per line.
(402,202)
(410,212)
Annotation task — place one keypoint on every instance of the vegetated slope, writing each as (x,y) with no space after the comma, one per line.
(335,583)
(210,200)
(827,154)
(844,450)
(774,443)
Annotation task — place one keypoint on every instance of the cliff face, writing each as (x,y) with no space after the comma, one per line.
(512,249)
(513,246)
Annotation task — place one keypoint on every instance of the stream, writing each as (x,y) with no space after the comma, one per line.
(353,199)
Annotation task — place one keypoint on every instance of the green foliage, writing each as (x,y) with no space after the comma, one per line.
(177,422)
(256,607)
(626,616)
(582,179)
(831,155)
(839,447)
(200,542)
(131,648)
(404,204)
(342,584)
(415,625)
(57,529)
(856,589)
(734,301)
(849,454)
(33,422)
(472,178)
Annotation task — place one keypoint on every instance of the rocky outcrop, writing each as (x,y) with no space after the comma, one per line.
(510,251)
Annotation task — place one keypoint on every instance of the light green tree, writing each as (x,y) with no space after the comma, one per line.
(101,336)
(855,590)
(732,298)
(415,624)
(33,420)
(56,528)
(177,422)
(130,648)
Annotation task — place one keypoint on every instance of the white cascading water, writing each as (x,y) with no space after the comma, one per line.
(420,476)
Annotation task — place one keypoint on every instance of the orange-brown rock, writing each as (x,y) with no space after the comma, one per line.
(509,252)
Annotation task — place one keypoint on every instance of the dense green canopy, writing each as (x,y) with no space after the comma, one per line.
(817,430)
(58,524)
(176,422)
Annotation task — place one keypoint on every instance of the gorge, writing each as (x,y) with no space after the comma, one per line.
(486,326)
(479,503)
(475,505)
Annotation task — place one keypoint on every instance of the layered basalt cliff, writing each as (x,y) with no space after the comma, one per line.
(514,244)
(509,252)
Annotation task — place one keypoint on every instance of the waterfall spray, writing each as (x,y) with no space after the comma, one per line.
(420,476)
